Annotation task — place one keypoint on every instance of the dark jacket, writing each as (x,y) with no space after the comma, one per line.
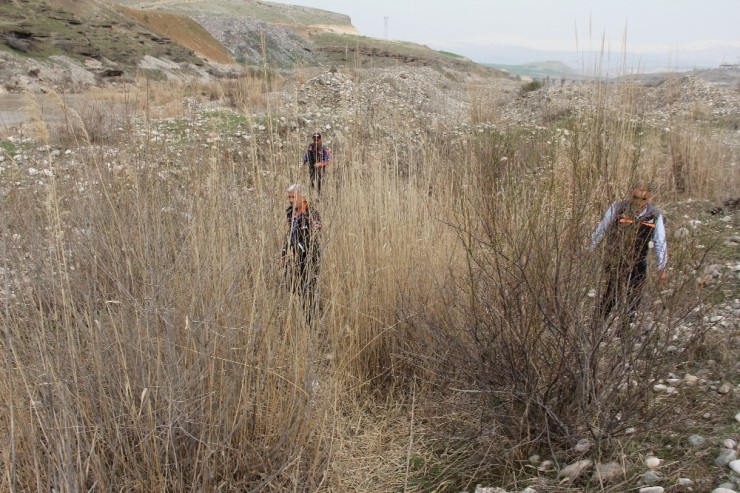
(628,238)
(301,242)
(316,154)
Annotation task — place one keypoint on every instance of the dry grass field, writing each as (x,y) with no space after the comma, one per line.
(149,342)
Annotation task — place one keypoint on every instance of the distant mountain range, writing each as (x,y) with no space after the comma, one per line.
(602,64)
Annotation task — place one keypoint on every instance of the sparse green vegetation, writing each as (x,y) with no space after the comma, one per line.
(530,86)
(9,148)
(83,29)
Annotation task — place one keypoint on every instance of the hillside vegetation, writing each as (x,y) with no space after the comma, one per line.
(82,29)
(252,9)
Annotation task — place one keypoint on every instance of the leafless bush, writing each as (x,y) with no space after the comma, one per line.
(520,315)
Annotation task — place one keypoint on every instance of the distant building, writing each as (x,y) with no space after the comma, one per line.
(729,66)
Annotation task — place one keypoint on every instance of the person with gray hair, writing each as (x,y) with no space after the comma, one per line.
(631,228)
(300,253)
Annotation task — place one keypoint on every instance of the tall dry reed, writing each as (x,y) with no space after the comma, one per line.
(151,345)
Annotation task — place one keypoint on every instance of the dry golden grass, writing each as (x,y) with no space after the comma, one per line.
(181,30)
(151,346)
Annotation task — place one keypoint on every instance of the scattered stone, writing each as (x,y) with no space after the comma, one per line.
(607,472)
(652,489)
(534,460)
(723,490)
(485,489)
(650,477)
(737,417)
(729,443)
(681,233)
(652,462)
(547,465)
(685,482)
(690,379)
(573,471)
(735,466)
(725,457)
(583,446)
(697,441)
(725,388)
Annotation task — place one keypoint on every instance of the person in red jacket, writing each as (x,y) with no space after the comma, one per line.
(301,252)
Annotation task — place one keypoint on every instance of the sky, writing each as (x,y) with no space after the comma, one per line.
(676,32)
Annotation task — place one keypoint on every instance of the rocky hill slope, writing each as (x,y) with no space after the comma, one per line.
(67,45)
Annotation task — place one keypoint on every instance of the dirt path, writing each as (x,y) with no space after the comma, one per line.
(11,110)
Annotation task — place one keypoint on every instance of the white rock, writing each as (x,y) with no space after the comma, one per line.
(725,388)
(735,466)
(573,471)
(681,233)
(583,445)
(482,489)
(737,417)
(652,462)
(652,489)
(607,472)
(685,482)
(729,443)
(697,440)
(723,490)
(649,478)
(690,379)
(725,457)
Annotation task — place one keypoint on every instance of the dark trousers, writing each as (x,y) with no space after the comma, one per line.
(624,285)
(316,174)
(302,275)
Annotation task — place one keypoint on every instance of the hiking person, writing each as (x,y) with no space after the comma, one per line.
(631,227)
(300,254)
(318,156)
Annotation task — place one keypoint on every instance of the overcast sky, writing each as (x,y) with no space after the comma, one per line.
(678,27)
